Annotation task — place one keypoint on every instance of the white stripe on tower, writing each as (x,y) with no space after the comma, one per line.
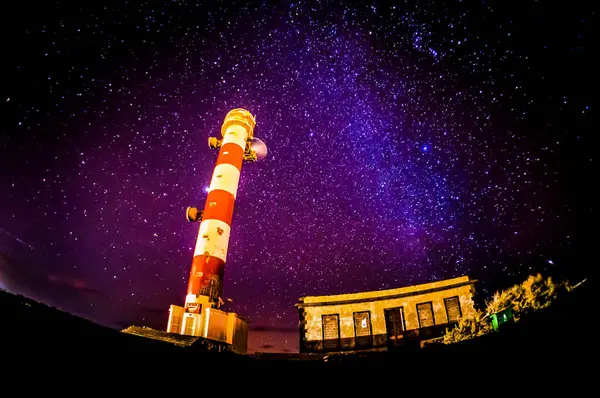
(236,134)
(213,238)
(226,177)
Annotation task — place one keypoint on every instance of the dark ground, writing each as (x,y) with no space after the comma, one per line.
(551,349)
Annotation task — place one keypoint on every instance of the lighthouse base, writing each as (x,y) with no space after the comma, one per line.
(210,323)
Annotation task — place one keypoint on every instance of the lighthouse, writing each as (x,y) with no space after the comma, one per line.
(200,315)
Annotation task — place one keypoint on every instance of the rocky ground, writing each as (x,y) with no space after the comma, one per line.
(551,347)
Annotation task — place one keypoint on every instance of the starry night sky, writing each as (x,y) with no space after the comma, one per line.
(407,143)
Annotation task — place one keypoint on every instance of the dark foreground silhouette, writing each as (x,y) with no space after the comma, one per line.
(552,348)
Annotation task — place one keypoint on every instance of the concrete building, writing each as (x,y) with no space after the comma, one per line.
(384,318)
(212,324)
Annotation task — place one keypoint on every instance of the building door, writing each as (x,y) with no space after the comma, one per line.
(331,332)
(362,329)
(394,323)
(190,323)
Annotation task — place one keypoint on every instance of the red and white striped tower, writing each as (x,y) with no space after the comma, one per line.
(210,254)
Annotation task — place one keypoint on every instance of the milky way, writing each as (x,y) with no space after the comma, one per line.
(406,144)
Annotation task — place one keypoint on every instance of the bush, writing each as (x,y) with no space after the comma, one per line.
(535,293)
(467,328)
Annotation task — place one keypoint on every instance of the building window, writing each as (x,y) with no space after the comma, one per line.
(175,324)
(452,308)
(425,312)
(331,332)
(362,329)
(394,324)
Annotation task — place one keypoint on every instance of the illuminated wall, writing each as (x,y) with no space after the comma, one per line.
(383,318)
(210,323)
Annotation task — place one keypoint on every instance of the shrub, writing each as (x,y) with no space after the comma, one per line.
(534,293)
(467,328)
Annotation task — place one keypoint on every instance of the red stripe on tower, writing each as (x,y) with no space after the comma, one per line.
(206,277)
(219,206)
(231,153)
